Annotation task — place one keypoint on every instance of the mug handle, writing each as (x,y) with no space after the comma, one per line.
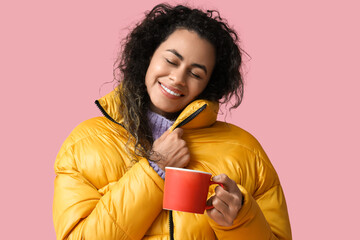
(211,183)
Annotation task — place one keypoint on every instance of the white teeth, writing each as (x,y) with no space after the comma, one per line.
(169,91)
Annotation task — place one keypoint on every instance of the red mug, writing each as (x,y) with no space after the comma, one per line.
(186,190)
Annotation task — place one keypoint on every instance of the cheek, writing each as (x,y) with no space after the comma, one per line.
(201,86)
(150,75)
(154,70)
(147,79)
(161,68)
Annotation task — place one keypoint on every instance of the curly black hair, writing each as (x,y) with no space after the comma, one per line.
(226,81)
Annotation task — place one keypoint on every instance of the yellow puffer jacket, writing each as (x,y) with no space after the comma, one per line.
(102,194)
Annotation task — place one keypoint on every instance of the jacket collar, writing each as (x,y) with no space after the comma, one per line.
(198,114)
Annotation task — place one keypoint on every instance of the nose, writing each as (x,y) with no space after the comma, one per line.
(178,76)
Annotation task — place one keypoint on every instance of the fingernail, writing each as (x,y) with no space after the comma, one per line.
(215,178)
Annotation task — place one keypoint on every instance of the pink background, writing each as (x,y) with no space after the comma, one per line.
(301,100)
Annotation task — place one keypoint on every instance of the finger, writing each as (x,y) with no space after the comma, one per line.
(164,135)
(179,148)
(231,199)
(221,206)
(183,158)
(182,144)
(209,202)
(178,131)
(182,151)
(216,216)
(223,195)
(228,183)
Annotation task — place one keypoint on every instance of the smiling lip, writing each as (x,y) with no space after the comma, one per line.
(170,92)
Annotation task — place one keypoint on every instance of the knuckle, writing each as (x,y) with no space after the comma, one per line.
(178,131)
(223,177)
(236,200)
(219,191)
(182,144)
(215,202)
(182,152)
(186,151)
(229,220)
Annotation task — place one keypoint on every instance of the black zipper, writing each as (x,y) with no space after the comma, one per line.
(106,114)
(171,225)
(192,116)
(186,120)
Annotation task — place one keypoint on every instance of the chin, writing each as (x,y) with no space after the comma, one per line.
(169,113)
(168,108)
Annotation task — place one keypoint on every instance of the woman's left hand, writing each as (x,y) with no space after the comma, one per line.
(227,201)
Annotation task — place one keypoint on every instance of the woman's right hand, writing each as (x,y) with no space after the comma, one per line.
(170,150)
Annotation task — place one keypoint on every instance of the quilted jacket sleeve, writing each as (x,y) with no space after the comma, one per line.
(251,221)
(264,212)
(126,211)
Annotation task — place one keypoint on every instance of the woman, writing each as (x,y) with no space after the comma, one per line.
(176,66)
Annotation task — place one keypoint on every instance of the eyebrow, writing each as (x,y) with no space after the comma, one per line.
(176,53)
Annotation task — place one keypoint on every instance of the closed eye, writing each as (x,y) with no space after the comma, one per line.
(175,64)
(172,63)
(195,75)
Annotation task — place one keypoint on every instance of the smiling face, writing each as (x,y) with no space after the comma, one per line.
(179,71)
